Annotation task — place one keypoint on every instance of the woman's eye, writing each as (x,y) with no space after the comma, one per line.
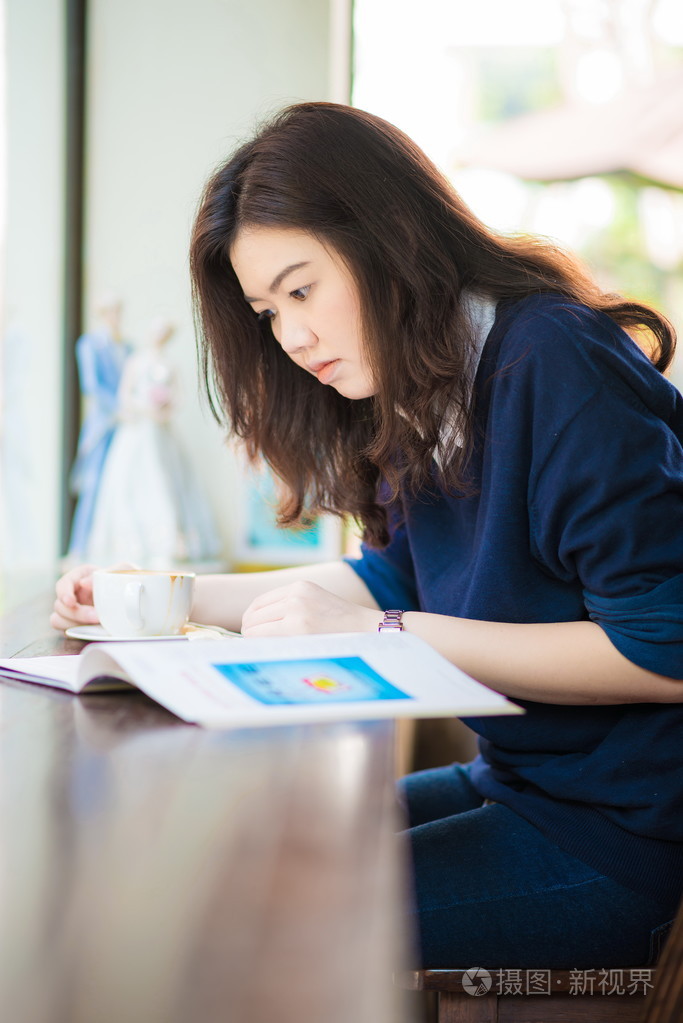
(300,293)
(266,314)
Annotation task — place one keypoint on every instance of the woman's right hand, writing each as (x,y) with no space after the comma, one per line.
(74,602)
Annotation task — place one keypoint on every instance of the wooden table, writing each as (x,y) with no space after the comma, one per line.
(155,872)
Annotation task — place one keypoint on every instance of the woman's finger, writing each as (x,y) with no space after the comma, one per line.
(81,614)
(69,584)
(272,611)
(60,622)
(269,628)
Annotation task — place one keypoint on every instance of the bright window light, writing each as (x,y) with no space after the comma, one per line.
(667,22)
(599,76)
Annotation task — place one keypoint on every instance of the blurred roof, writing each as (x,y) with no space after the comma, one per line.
(641,131)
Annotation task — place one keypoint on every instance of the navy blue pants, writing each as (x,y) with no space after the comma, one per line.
(490,890)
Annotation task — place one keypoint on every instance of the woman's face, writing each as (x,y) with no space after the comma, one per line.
(307,293)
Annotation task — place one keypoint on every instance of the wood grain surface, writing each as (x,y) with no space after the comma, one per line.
(155,872)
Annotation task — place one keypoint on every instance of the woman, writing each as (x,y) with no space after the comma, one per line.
(515,460)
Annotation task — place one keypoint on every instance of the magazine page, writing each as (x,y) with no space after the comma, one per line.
(58,672)
(342,676)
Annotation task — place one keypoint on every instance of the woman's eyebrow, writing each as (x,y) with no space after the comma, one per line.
(277,281)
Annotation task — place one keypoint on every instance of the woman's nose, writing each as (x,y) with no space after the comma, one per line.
(296,336)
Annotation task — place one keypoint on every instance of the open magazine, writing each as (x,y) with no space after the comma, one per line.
(224,683)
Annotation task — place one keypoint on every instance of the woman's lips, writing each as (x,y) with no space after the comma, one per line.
(325,371)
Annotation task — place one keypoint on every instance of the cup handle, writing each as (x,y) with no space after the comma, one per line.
(132,597)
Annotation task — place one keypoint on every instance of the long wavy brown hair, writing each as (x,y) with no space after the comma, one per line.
(366,190)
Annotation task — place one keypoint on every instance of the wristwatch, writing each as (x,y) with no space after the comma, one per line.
(392,622)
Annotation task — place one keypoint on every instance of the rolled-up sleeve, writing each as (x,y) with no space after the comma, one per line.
(646,628)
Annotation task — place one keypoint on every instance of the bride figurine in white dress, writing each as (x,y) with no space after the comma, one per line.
(149,509)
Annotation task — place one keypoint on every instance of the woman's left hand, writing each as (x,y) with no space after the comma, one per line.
(302,608)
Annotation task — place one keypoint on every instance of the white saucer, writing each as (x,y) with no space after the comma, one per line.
(95,633)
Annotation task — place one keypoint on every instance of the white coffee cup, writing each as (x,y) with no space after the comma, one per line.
(134,602)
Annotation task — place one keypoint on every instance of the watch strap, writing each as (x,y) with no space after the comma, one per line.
(391,622)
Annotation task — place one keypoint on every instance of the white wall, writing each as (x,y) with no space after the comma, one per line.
(30,410)
(173,86)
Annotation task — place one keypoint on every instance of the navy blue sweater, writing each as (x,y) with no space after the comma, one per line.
(578,513)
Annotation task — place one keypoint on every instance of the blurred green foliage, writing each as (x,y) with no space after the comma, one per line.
(516,80)
(617,253)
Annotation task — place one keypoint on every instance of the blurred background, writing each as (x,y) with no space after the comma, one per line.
(559,117)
